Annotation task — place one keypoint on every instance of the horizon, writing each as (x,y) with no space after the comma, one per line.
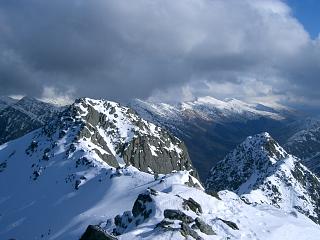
(264,51)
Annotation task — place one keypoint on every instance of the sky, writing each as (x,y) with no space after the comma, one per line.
(307,12)
(162,50)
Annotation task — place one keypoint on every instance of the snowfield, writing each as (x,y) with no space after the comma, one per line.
(54,184)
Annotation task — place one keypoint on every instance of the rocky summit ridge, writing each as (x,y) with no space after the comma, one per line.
(120,137)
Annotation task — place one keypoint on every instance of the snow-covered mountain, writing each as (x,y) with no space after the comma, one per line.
(209,109)
(211,127)
(23,116)
(96,171)
(262,172)
(306,145)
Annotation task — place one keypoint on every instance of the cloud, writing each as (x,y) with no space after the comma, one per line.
(51,95)
(157,48)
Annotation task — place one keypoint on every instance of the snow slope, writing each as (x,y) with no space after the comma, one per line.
(226,217)
(72,173)
(43,173)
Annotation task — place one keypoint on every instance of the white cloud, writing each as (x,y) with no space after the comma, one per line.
(52,95)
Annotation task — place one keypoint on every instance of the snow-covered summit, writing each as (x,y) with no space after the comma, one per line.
(121,137)
(261,171)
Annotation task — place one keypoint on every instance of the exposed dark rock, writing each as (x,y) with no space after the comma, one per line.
(153,192)
(46,155)
(36,174)
(191,183)
(230,224)
(77,184)
(139,207)
(83,161)
(188,231)
(177,215)
(165,224)
(204,227)
(3,166)
(192,205)
(138,154)
(141,211)
(94,232)
(213,194)
(32,147)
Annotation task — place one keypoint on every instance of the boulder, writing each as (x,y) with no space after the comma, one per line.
(94,232)
(192,205)
(177,215)
(204,227)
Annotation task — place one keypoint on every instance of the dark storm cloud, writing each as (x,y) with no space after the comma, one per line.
(125,49)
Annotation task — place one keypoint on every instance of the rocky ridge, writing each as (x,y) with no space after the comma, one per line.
(120,137)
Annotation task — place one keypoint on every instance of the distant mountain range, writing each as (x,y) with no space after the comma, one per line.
(305,144)
(6,101)
(18,117)
(97,170)
(211,128)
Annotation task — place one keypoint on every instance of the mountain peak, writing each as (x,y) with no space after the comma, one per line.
(120,137)
(261,171)
(28,98)
(264,144)
(259,149)
(209,100)
(258,153)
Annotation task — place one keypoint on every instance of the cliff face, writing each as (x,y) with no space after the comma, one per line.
(129,139)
